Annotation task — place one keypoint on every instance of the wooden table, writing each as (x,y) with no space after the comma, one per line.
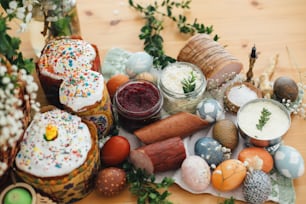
(273,26)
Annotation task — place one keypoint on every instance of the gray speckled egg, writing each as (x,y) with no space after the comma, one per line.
(256,187)
(210,110)
(210,150)
(138,62)
(289,162)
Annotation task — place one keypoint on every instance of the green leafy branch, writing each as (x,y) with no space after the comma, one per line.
(189,83)
(9,47)
(230,200)
(150,32)
(264,117)
(144,186)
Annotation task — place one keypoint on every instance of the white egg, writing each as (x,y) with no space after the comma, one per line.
(137,63)
(289,162)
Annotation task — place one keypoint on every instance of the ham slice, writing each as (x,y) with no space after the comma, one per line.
(215,62)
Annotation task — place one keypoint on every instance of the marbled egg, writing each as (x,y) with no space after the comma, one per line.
(257,187)
(210,110)
(228,175)
(138,62)
(289,162)
(210,150)
(195,173)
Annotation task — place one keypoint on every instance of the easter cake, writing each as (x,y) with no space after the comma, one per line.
(83,92)
(59,57)
(59,155)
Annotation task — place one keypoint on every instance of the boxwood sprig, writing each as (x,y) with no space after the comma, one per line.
(150,32)
(145,187)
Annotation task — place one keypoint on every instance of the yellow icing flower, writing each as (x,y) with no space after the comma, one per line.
(51,132)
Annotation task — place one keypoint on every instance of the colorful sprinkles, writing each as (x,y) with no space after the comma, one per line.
(81,89)
(60,156)
(63,55)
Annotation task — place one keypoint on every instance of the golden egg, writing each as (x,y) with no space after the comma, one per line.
(228,175)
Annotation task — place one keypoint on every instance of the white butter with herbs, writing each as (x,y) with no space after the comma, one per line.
(249,115)
(170,83)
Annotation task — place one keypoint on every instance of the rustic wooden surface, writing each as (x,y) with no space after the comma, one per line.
(273,26)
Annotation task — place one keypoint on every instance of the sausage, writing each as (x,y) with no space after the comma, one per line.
(215,62)
(181,125)
(160,156)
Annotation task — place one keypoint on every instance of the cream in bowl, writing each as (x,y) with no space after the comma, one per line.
(263,122)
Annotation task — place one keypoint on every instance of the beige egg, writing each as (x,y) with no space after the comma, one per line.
(146,76)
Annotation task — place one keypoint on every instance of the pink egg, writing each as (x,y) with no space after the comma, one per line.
(195,173)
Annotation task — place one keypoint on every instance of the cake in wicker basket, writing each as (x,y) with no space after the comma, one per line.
(60,56)
(84,93)
(59,155)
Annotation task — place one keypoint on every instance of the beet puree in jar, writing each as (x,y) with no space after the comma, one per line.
(137,103)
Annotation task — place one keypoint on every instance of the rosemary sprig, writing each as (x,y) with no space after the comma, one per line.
(150,32)
(264,117)
(189,83)
(144,186)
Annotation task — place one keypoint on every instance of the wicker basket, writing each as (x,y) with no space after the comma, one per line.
(75,185)
(8,152)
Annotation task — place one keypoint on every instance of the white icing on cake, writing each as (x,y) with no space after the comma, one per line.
(63,55)
(81,88)
(58,157)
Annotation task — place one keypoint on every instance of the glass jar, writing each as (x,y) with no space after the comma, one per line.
(137,103)
(52,18)
(171,86)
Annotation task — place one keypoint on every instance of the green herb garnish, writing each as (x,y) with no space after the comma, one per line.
(189,83)
(264,117)
(144,186)
(230,200)
(9,47)
(150,32)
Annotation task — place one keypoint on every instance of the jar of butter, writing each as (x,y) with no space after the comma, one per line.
(171,83)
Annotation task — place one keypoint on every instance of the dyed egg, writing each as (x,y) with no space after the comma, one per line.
(110,181)
(257,187)
(115,82)
(289,162)
(285,88)
(146,76)
(210,150)
(210,110)
(195,173)
(225,132)
(256,158)
(138,62)
(228,175)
